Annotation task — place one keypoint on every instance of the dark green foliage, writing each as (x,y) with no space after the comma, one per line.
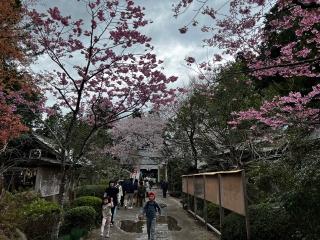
(80,217)
(90,190)
(303,201)
(90,201)
(267,221)
(28,212)
(213,214)
(176,194)
(233,227)
(75,234)
(38,219)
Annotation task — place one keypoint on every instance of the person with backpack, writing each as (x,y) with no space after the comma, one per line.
(150,210)
(141,194)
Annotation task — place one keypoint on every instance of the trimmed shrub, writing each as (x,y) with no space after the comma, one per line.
(267,221)
(38,219)
(90,190)
(90,201)
(79,217)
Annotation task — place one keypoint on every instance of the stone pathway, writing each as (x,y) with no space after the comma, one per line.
(182,225)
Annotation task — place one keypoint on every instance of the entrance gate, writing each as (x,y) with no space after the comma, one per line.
(226,189)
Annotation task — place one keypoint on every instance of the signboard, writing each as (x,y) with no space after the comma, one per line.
(198,184)
(226,189)
(48,181)
(231,187)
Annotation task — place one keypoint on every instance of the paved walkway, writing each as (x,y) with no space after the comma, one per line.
(181,225)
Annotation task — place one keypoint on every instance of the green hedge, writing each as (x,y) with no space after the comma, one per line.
(267,221)
(90,201)
(38,219)
(90,190)
(75,234)
(79,217)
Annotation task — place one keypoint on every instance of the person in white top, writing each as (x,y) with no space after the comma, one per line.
(107,204)
(120,193)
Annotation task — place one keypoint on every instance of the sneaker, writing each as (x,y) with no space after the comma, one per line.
(130,207)
(107,236)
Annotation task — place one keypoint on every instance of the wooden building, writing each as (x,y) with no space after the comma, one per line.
(32,164)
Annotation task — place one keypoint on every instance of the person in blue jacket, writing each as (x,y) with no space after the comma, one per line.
(150,210)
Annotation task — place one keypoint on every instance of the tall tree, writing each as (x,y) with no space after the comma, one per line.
(105,68)
(17,89)
(282,46)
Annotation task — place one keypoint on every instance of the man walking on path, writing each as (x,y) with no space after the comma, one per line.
(164,186)
(141,194)
(128,189)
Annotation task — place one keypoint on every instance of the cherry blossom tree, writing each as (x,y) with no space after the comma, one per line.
(279,41)
(132,134)
(105,67)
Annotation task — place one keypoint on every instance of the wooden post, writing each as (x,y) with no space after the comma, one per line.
(220,203)
(194,198)
(205,207)
(246,204)
(188,195)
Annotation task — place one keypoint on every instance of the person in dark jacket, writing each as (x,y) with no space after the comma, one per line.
(128,191)
(141,194)
(164,186)
(150,209)
(112,192)
(135,192)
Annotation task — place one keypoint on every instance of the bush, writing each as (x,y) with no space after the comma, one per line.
(90,201)
(176,194)
(79,217)
(267,221)
(75,234)
(11,211)
(90,190)
(38,219)
(213,214)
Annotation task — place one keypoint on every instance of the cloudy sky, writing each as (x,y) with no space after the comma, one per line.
(170,45)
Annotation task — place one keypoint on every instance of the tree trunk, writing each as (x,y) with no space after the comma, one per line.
(61,196)
(194,152)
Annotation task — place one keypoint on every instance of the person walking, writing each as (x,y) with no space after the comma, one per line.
(120,193)
(112,192)
(147,185)
(107,205)
(141,194)
(150,210)
(135,192)
(128,191)
(164,186)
